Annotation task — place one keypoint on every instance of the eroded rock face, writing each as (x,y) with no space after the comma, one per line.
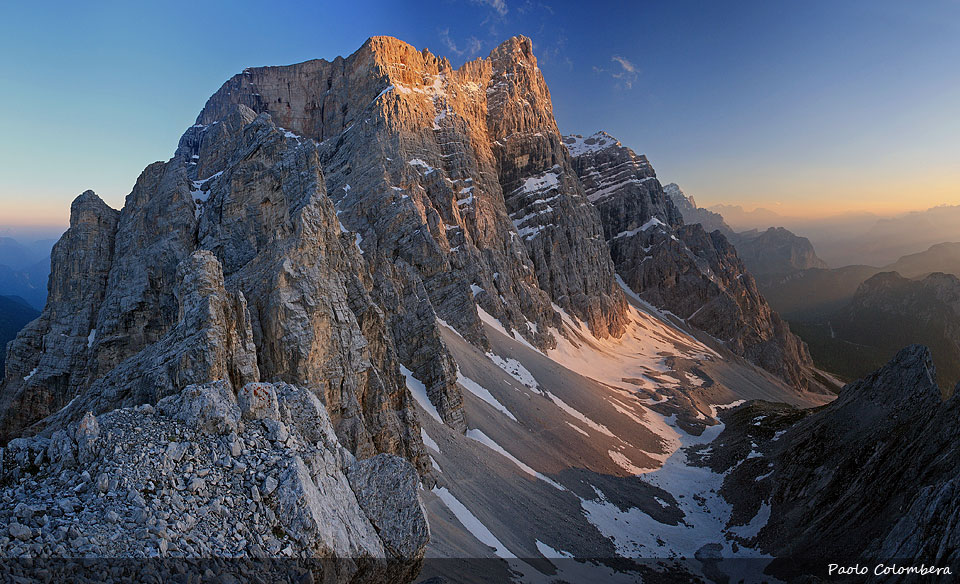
(266,286)
(48,362)
(682,268)
(456,186)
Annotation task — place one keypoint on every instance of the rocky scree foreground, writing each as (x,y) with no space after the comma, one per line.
(205,474)
(679,267)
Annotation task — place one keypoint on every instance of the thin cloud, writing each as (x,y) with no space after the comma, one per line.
(625,72)
(471,48)
(498,6)
(627,65)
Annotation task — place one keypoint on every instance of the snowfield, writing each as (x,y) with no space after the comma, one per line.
(582,451)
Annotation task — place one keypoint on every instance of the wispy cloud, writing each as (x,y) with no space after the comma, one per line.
(554,51)
(498,6)
(470,48)
(628,67)
(625,72)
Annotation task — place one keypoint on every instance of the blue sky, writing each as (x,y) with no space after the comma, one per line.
(809,108)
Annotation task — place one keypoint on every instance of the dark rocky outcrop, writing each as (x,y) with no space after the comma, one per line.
(866,478)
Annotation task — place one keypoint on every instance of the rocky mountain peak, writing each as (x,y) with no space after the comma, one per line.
(906,383)
(681,267)
(578,145)
(88,205)
(681,199)
(342,211)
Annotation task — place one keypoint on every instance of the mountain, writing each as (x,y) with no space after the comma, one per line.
(848,333)
(376,310)
(742,220)
(408,251)
(28,282)
(889,311)
(817,292)
(864,479)
(905,234)
(776,252)
(942,257)
(14,314)
(16,254)
(772,253)
(811,294)
(857,238)
(710,220)
(681,268)
(24,268)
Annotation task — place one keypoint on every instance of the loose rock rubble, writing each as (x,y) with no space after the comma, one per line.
(189,479)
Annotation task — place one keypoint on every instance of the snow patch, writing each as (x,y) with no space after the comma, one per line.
(482,393)
(492,445)
(471,523)
(419,392)
(428,441)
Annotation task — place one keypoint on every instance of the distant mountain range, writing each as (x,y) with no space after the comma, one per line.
(768,254)
(24,268)
(14,314)
(856,238)
(853,318)
(812,294)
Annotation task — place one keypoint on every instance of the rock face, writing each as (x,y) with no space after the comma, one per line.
(457,188)
(195,481)
(682,268)
(867,478)
(315,226)
(47,363)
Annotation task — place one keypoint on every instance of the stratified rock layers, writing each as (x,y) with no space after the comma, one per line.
(682,268)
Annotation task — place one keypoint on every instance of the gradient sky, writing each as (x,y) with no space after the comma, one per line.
(807,108)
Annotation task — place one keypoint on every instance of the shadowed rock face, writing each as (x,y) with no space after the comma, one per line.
(678,267)
(48,362)
(687,206)
(870,476)
(776,252)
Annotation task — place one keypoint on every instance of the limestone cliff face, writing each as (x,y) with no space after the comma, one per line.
(678,267)
(277,292)
(457,189)
(341,211)
(47,363)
